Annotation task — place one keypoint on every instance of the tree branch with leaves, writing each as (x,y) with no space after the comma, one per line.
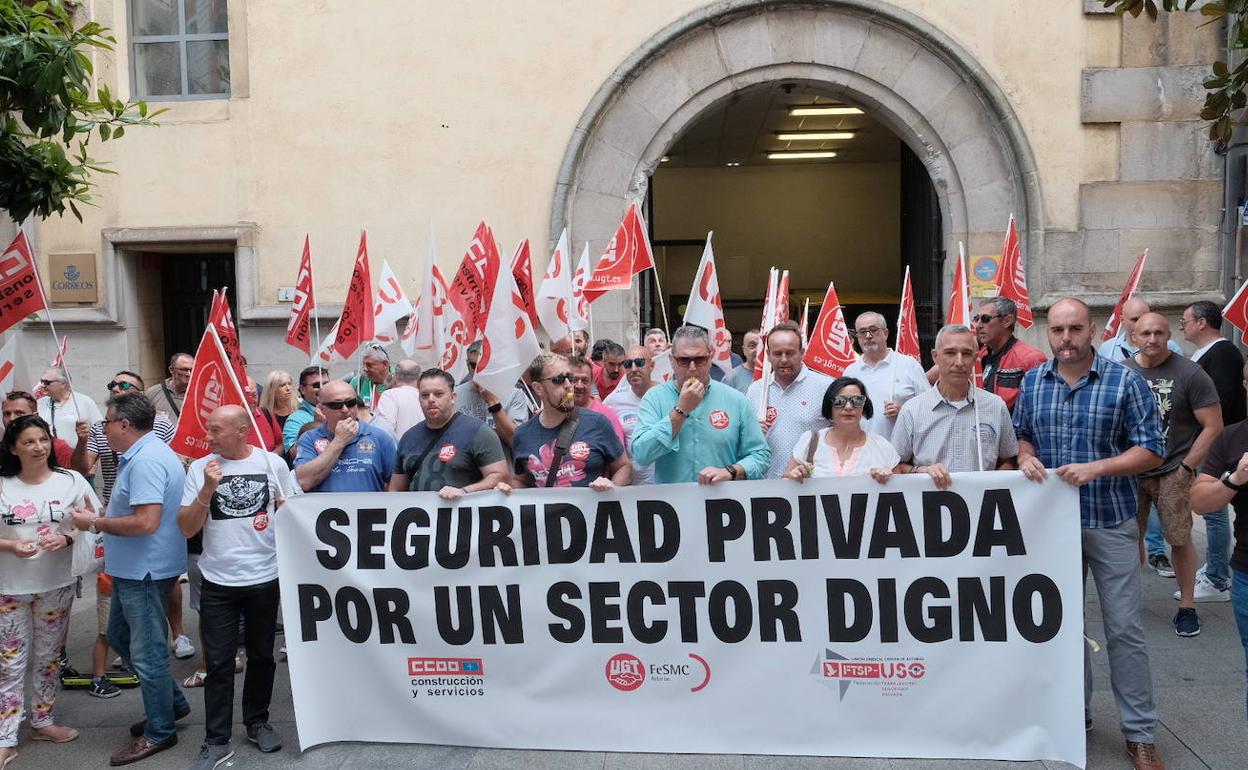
(49,112)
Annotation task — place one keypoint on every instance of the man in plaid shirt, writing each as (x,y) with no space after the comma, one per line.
(1096,424)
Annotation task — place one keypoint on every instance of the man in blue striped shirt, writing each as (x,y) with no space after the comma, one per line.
(1096,424)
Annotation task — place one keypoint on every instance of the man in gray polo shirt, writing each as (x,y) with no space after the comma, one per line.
(936,430)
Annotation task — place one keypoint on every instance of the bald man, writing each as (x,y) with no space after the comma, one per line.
(231,496)
(1096,425)
(1125,345)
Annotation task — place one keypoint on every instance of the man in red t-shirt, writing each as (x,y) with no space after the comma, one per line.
(1003,358)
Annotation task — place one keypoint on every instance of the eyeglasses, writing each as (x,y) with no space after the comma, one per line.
(985,318)
(349,403)
(558,379)
(313,385)
(122,385)
(840,402)
(629,363)
(870,331)
(1183,322)
(182,369)
(46,383)
(110,421)
(687,361)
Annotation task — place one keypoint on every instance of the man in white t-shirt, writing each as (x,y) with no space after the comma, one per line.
(891,378)
(626,401)
(232,495)
(62,408)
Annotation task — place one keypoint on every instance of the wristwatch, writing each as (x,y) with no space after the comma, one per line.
(495,408)
(1225,478)
(92,528)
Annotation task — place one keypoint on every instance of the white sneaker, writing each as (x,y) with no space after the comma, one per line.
(1206,591)
(182,647)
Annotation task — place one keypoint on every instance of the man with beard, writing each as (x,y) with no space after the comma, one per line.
(891,378)
(1096,425)
(611,372)
(694,429)
(794,398)
(626,401)
(450,453)
(564,445)
(583,396)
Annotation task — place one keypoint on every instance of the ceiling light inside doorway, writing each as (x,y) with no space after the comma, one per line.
(800,155)
(813,136)
(733,163)
(813,110)
(665,158)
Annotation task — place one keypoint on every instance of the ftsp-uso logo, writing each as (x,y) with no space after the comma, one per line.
(892,677)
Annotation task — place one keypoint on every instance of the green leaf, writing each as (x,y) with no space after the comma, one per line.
(105,131)
(1219,69)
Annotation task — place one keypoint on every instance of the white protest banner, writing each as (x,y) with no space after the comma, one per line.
(834,617)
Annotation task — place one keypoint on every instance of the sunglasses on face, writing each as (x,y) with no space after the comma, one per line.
(985,318)
(687,361)
(46,383)
(349,403)
(629,363)
(840,402)
(312,385)
(117,384)
(558,379)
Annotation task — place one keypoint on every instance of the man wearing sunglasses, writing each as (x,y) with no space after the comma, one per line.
(626,401)
(62,408)
(564,445)
(344,454)
(1004,358)
(794,396)
(310,381)
(694,429)
(936,430)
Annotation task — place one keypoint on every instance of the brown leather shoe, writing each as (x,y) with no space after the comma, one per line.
(140,748)
(1144,756)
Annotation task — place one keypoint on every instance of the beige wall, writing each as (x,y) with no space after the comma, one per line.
(412,112)
(827,222)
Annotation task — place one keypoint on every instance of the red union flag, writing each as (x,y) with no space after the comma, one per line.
(436,336)
(390,305)
(782,298)
(473,284)
(908,323)
(579,319)
(299,329)
(212,385)
(627,254)
(522,272)
(706,309)
(1236,311)
(1012,276)
(959,295)
(1133,284)
(354,326)
(20,291)
(769,320)
(220,319)
(830,348)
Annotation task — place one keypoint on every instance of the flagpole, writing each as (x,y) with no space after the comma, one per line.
(47,306)
(769,321)
(658,289)
(251,418)
(966,312)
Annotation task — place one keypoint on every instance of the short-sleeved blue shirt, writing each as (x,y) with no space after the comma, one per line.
(365,464)
(148,472)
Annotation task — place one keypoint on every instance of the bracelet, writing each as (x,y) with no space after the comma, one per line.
(680,412)
(495,408)
(732,471)
(68,540)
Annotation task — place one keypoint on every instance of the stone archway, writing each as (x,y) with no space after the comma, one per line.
(910,75)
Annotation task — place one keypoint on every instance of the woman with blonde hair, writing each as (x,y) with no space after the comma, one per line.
(279,396)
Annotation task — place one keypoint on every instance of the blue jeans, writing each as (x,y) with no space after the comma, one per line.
(1239,601)
(1218,547)
(139,630)
(1154,540)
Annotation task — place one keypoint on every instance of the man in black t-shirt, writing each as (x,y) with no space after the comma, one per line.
(1224,479)
(1202,326)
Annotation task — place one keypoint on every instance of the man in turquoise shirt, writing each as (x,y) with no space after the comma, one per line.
(704,431)
(310,381)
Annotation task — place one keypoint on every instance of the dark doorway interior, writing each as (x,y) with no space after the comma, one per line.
(186,285)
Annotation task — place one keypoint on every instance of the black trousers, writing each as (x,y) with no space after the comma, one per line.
(219,610)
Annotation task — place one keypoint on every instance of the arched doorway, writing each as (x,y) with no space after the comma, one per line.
(911,77)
